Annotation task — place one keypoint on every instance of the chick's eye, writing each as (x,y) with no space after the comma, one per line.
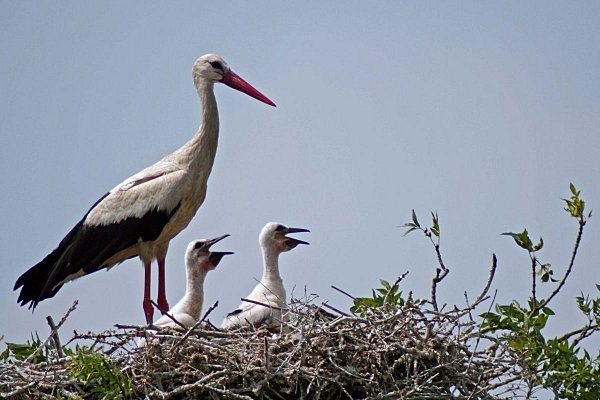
(198,245)
(216,65)
(280,228)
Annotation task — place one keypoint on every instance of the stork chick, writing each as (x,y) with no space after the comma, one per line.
(270,290)
(199,260)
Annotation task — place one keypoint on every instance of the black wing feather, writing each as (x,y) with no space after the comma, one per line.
(87,248)
(234,312)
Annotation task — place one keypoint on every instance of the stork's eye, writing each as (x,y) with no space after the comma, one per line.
(198,245)
(216,65)
(280,228)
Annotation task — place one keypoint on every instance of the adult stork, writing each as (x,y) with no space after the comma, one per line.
(199,260)
(270,290)
(143,213)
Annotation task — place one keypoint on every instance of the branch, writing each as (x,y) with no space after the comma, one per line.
(483,293)
(533,263)
(582,332)
(168,315)
(439,275)
(197,324)
(569,269)
(342,292)
(396,283)
(265,305)
(335,309)
(54,330)
(55,338)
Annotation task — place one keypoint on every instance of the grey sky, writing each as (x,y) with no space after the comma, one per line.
(483,112)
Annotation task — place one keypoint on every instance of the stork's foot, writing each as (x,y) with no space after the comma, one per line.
(163,306)
(148,311)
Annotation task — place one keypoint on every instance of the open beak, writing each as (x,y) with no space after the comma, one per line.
(293,242)
(216,256)
(295,230)
(210,242)
(234,81)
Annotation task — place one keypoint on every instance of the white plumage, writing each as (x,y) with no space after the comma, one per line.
(199,260)
(270,290)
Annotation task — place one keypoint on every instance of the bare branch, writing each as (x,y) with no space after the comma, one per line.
(342,292)
(53,332)
(488,283)
(172,318)
(55,338)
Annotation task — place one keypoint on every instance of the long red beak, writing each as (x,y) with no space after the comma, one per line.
(233,80)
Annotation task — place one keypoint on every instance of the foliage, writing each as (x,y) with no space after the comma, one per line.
(101,375)
(23,351)
(414,225)
(558,364)
(387,294)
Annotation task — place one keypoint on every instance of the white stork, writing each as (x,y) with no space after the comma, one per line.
(199,260)
(143,213)
(270,290)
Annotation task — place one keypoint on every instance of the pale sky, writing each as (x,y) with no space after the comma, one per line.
(481,111)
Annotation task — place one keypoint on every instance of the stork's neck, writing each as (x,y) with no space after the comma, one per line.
(270,265)
(200,150)
(194,293)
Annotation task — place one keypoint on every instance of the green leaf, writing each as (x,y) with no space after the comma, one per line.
(414,218)
(547,311)
(435,228)
(575,206)
(539,245)
(522,239)
(409,230)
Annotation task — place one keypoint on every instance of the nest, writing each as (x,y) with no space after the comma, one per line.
(411,351)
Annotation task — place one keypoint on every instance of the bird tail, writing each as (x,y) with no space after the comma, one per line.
(43,280)
(33,282)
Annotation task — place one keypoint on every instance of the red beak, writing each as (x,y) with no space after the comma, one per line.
(233,80)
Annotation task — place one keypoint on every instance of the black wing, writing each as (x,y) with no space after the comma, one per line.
(85,249)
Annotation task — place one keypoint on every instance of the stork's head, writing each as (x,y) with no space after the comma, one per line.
(211,68)
(274,234)
(199,258)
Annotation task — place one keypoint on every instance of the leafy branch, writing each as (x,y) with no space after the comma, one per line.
(557,363)
(431,232)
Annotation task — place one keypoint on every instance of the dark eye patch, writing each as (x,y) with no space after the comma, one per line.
(280,228)
(216,65)
(198,244)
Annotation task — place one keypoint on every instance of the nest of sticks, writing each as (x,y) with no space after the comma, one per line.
(412,351)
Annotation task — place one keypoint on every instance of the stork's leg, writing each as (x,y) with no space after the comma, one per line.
(148,308)
(162,295)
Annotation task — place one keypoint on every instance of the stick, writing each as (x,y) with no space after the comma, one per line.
(265,305)
(62,321)
(197,324)
(55,338)
(335,309)
(168,315)
(342,292)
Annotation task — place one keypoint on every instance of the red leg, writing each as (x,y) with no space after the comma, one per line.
(162,295)
(148,309)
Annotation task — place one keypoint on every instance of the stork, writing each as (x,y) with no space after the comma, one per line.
(142,214)
(270,290)
(199,260)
